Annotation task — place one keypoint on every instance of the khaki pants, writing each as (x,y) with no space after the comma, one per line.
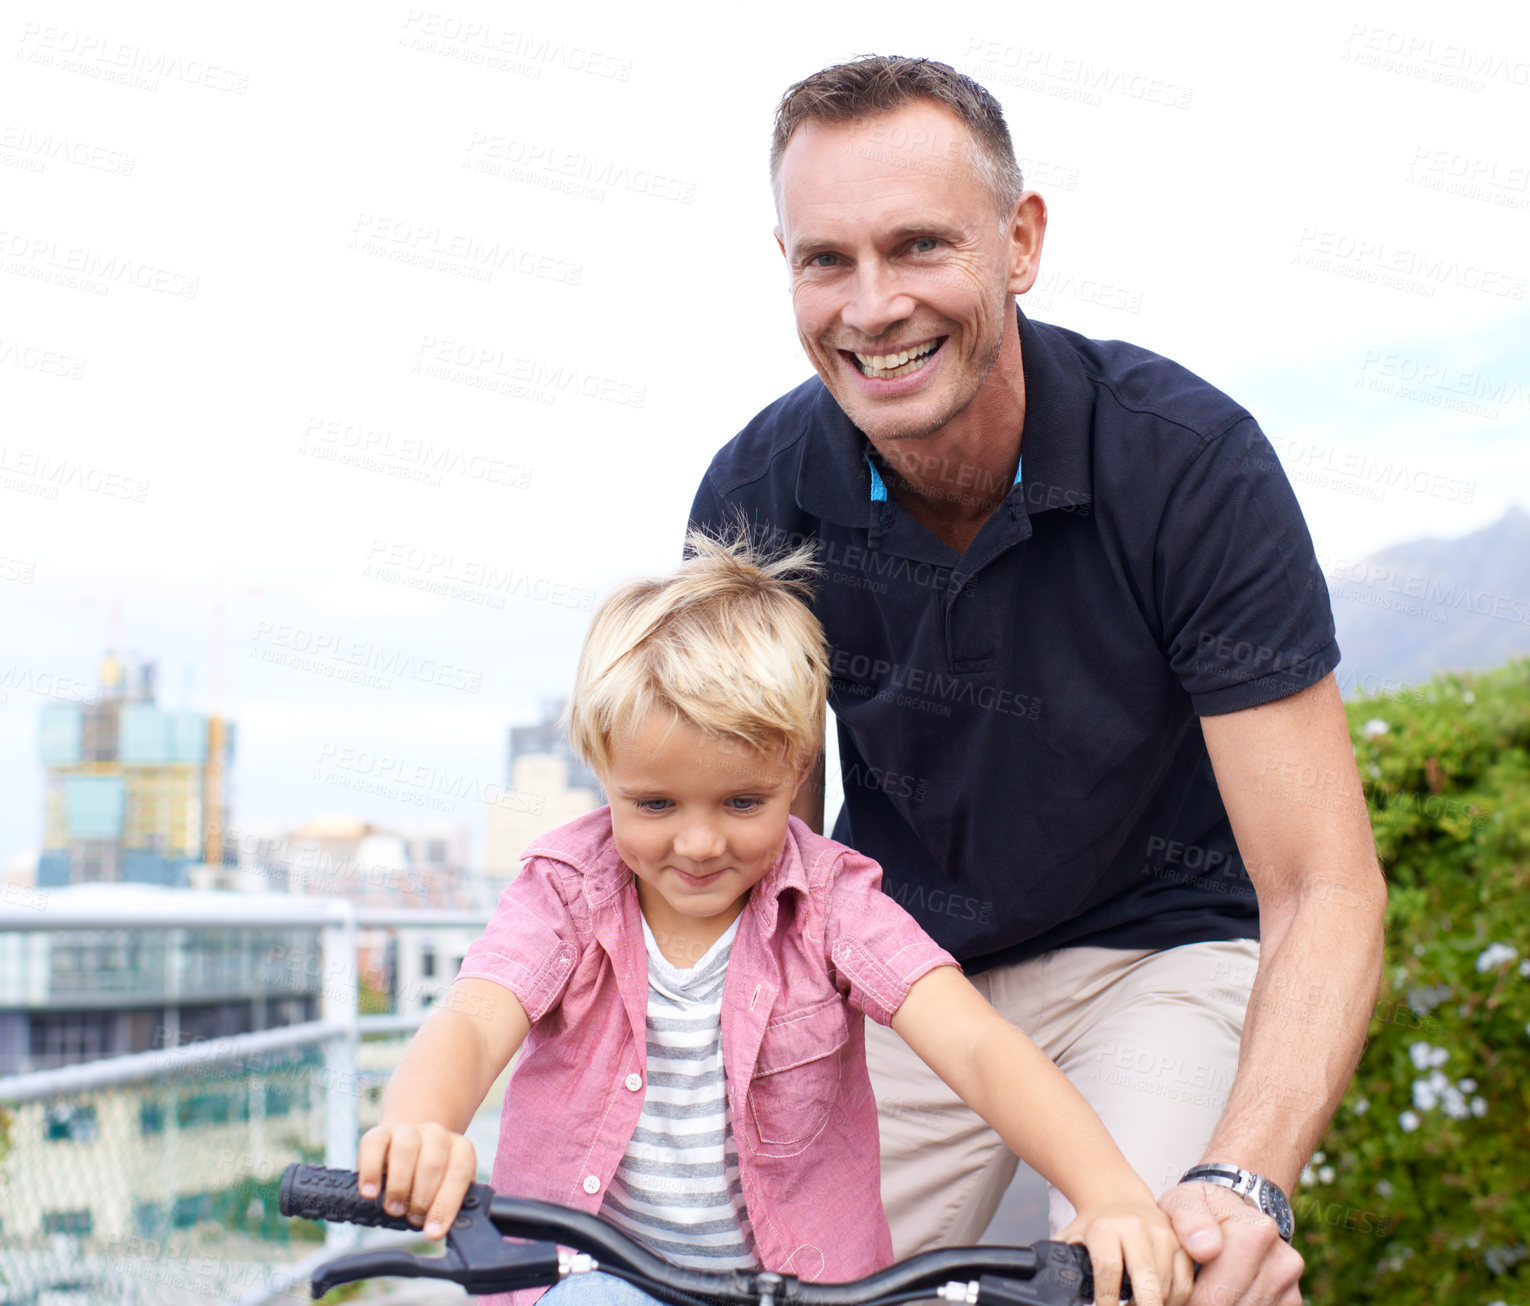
(1150,1038)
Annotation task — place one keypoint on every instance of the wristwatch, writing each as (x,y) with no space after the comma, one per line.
(1254,1189)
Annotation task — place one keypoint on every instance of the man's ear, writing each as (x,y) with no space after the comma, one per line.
(780,244)
(1026,230)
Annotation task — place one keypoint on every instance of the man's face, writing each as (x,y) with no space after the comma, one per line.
(902,275)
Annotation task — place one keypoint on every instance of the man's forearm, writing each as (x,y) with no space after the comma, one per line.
(1306,1024)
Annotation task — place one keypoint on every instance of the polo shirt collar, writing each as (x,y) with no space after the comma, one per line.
(837,481)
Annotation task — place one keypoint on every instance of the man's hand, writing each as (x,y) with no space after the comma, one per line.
(1243,1260)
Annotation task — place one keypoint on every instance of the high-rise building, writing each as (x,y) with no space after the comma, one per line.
(135,793)
(546,787)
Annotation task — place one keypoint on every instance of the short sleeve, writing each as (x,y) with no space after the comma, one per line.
(531,944)
(1245,608)
(876,950)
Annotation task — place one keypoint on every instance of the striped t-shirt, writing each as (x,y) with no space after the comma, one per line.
(677,1189)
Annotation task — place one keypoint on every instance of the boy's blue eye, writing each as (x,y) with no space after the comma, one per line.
(651,804)
(746,804)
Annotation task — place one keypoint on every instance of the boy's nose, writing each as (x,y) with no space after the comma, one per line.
(699,841)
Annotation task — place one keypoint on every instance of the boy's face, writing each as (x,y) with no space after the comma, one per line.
(699,821)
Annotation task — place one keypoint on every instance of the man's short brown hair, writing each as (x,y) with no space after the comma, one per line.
(875,84)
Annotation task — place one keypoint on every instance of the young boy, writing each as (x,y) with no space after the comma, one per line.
(686,972)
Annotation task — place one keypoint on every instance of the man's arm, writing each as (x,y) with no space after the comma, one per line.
(1286,771)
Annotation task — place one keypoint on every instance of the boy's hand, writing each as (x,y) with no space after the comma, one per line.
(428,1171)
(1133,1232)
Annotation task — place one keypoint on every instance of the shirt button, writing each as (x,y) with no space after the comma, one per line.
(634,1081)
(591,1184)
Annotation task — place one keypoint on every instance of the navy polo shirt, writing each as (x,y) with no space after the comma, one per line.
(1018,724)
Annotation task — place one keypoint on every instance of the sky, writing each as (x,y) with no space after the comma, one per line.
(348,353)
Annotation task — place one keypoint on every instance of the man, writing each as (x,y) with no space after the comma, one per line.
(1082,654)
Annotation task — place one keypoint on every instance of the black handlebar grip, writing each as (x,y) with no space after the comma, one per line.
(317,1193)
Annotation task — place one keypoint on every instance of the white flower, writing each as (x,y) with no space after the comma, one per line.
(1318,1158)
(1455,1105)
(1524,969)
(1383,1188)
(1419,1054)
(1374,727)
(1495,954)
(1307,1176)
(1479,1107)
(1468,1085)
(1362,1105)
(1326,1174)
(1408,1121)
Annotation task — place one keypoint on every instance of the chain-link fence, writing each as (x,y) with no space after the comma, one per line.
(153,1178)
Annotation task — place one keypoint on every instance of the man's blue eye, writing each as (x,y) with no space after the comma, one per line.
(924,244)
(816,263)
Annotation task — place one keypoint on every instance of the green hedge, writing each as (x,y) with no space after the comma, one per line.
(1421,1191)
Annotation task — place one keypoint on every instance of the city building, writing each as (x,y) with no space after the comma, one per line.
(135,793)
(68,996)
(546,786)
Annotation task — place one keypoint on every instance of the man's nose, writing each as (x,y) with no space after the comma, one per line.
(877,300)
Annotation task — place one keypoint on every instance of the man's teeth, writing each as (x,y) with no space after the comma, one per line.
(882,366)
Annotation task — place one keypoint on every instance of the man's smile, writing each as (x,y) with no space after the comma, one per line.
(896,364)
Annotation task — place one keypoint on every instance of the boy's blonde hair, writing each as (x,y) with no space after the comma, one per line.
(726,643)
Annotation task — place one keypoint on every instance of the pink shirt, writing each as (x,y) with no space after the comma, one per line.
(819,945)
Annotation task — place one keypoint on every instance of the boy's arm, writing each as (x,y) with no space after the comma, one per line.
(445,1073)
(1004,1077)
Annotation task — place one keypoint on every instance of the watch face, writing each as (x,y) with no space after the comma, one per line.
(1274,1204)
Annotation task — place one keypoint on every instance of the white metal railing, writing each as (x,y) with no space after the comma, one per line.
(336,1033)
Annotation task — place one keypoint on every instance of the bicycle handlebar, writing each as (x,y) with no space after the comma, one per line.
(478,1257)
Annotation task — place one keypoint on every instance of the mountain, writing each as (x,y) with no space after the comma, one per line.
(1433,605)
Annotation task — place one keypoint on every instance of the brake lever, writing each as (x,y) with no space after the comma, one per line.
(477,1256)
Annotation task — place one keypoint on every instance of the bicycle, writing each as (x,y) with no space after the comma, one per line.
(479,1259)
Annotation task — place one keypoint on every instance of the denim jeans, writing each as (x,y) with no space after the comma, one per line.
(596,1290)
